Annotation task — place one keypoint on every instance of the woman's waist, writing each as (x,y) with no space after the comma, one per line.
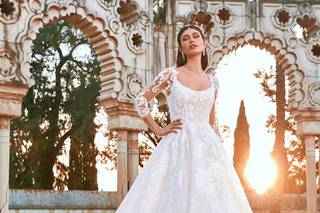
(192,121)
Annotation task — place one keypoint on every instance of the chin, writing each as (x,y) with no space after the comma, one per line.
(194,53)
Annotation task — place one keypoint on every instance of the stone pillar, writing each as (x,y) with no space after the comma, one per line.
(123,118)
(11,95)
(4,163)
(311,174)
(133,157)
(122,165)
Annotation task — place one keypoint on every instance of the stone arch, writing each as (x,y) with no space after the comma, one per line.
(285,58)
(95,28)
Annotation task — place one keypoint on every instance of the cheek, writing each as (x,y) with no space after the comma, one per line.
(184,45)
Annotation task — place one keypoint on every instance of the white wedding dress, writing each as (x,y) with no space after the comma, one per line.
(188,172)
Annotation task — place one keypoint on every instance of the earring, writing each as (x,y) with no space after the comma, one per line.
(183,56)
(204,53)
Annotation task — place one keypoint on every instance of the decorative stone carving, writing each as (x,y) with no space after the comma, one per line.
(314,52)
(7,7)
(305,8)
(282,19)
(224,16)
(128,12)
(135,41)
(314,93)
(308,24)
(135,84)
(200,5)
(115,25)
(9,11)
(144,19)
(107,3)
(7,65)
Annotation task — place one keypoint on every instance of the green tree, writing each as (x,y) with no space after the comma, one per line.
(58,109)
(288,152)
(241,145)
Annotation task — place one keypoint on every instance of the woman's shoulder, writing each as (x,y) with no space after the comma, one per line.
(167,73)
(168,70)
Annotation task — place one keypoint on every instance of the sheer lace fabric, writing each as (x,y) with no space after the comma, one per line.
(163,83)
(188,172)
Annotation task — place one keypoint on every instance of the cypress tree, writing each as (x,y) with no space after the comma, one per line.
(241,144)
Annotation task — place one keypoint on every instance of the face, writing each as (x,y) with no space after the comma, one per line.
(192,42)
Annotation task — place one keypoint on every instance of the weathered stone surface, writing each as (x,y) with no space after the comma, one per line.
(42,199)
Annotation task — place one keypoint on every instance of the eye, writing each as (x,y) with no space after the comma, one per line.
(196,36)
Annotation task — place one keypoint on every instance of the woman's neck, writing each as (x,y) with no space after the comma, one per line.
(194,64)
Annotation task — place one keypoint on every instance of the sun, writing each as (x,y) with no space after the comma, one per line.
(261,173)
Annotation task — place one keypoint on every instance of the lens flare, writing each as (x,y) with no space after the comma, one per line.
(261,173)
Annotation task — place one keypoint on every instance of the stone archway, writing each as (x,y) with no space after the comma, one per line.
(116,30)
(269,25)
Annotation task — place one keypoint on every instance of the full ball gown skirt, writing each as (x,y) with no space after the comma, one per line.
(189,171)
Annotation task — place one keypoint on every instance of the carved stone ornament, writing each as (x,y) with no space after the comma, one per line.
(7,65)
(128,12)
(314,93)
(224,16)
(201,5)
(135,41)
(115,25)
(134,84)
(107,4)
(9,11)
(282,19)
(309,24)
(314,52)
(144,19)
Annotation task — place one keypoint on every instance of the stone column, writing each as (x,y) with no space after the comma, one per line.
(133,157)
(4,163)
(122,165)
(311,174)
(123,118)
(11,95)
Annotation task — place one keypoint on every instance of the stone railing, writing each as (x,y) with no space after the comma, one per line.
(46,201)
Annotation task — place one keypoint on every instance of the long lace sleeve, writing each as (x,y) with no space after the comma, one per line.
(213,116)
(162,82)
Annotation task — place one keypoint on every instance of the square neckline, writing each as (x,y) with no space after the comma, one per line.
(193,90)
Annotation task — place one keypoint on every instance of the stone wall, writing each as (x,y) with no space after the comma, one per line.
(45,201)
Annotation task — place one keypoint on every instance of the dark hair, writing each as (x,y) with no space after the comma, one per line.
(180,59)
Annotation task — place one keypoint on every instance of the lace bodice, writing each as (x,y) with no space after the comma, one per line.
(185,103)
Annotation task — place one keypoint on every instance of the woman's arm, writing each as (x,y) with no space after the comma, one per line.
(162,82)
(213,117)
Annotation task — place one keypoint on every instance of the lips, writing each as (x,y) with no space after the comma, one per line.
(192,46)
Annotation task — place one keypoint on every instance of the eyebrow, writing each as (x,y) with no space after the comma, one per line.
(192,34)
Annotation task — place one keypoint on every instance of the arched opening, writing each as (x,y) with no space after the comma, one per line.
(250,74)
(285,62)
(94,29)
(54,143)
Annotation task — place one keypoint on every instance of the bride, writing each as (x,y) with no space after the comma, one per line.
(189,171)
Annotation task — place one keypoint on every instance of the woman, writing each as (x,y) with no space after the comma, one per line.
(189,171)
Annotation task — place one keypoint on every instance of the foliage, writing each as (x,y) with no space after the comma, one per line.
(58,110)
(290,146)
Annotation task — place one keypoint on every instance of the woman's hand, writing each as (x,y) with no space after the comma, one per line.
(172,127)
